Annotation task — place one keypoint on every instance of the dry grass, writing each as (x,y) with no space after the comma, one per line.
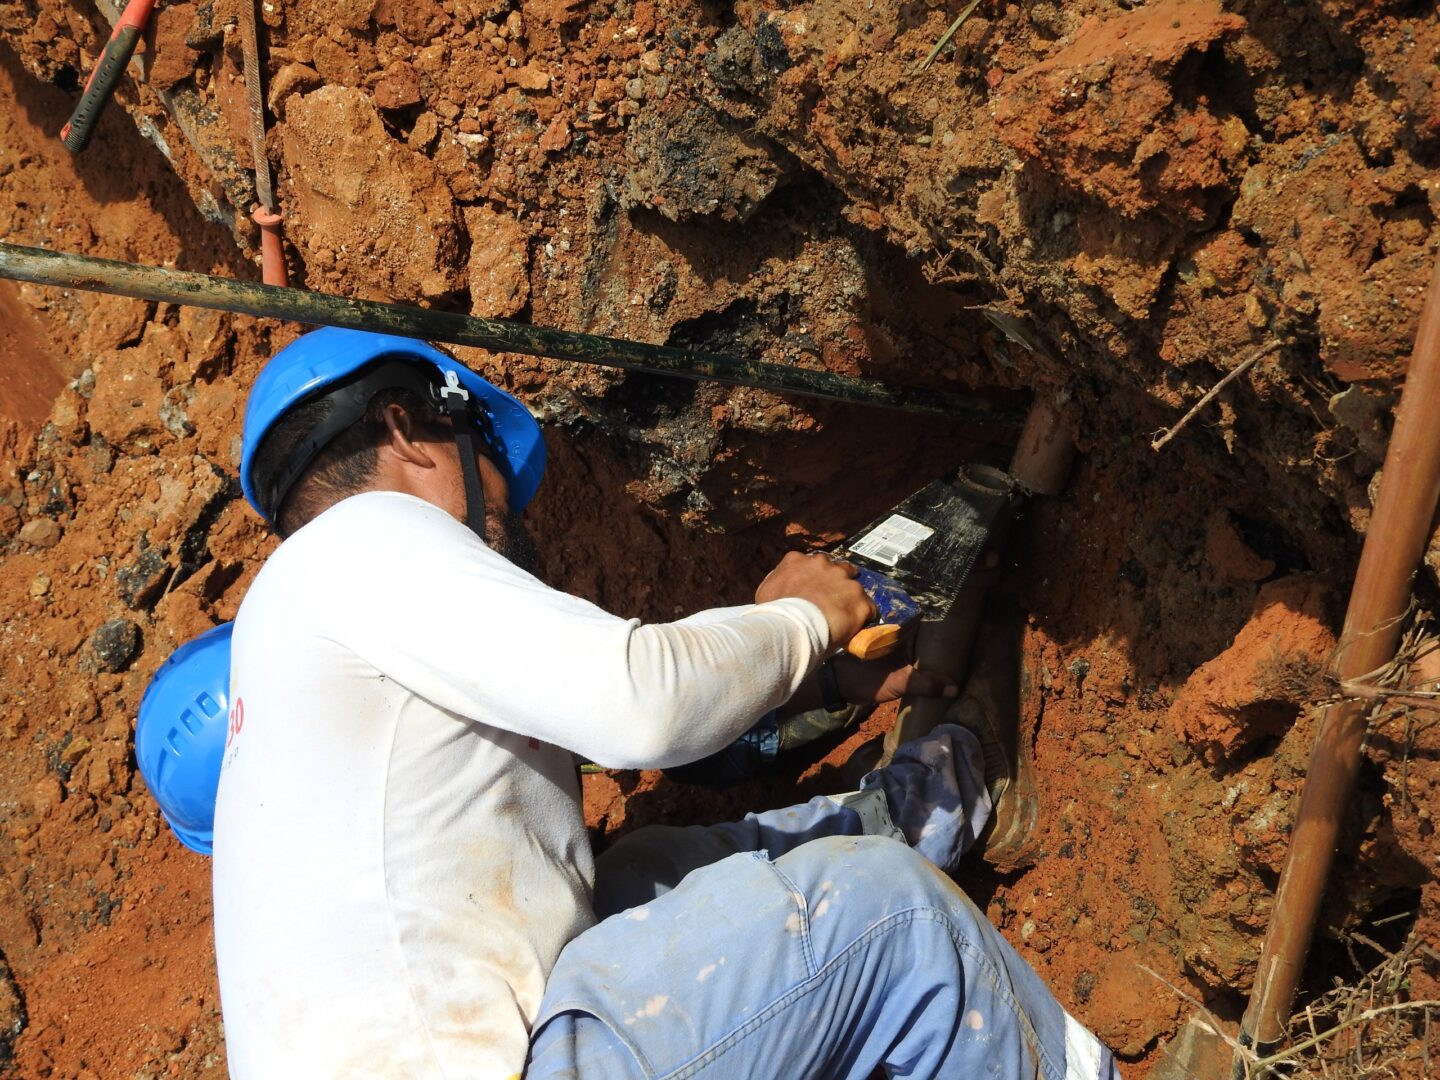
(1365,1030)
(1370,1028)
(1398,682)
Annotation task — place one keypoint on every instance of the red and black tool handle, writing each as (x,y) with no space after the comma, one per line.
(118,50)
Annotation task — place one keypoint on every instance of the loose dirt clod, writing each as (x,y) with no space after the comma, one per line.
(1256,688)
(40,533)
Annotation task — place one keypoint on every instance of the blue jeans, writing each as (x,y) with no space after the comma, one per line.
(831,954)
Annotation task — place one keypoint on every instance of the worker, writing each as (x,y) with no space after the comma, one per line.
(403,881)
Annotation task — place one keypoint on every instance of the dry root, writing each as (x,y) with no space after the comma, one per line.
(1397,687)
(1364,1030)
(1357,1031)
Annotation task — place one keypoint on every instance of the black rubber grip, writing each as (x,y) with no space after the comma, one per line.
(118,50)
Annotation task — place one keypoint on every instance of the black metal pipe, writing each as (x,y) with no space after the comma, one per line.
(301,305)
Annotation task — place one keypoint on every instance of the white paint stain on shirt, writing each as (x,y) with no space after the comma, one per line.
(654,1007)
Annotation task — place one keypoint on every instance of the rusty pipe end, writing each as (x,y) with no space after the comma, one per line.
(272,247)
(1041,463)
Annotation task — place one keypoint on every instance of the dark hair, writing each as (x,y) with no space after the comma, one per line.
(343,468)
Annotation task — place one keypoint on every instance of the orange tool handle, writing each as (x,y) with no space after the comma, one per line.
(118,50)
(874,642)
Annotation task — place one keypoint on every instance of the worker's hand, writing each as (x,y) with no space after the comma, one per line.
(829,585)
(863,682)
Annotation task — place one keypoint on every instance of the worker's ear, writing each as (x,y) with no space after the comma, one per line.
(405,439)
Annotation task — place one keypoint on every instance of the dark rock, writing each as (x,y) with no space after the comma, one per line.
(685,162)
(207,31)
(771,47)
(113,646)
(735,64)
(143,581)
(13,1017)
(1085,984)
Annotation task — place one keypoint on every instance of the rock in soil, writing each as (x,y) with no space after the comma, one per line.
(112,646)
(12,1014)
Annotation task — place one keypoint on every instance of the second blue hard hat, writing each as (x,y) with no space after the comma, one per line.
(180,734)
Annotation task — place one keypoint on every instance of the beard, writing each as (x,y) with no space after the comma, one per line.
(506,535)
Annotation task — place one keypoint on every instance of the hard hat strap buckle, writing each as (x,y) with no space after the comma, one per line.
(452,388)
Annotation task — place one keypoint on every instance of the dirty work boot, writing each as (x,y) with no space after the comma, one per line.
(862,761)
(934,793)
(990,707)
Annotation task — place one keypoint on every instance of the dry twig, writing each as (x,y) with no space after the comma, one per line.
(1298,1050)
(1393,681)
(1195,1003)
(1378,1025)
(1240,369)
(1383,1031)
(945,38)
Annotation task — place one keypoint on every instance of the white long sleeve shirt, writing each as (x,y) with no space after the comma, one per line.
(400,852)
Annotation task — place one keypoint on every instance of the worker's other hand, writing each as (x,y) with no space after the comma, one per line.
(866,682)
(828,584)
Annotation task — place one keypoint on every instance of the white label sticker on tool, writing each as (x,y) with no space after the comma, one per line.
(892,539)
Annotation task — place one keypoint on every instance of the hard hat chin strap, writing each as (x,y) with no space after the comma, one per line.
(349,403)
(462,421)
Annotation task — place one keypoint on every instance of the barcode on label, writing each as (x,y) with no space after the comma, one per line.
(892,540)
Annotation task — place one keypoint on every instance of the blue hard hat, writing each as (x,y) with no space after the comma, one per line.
(180,735)
(330,355)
